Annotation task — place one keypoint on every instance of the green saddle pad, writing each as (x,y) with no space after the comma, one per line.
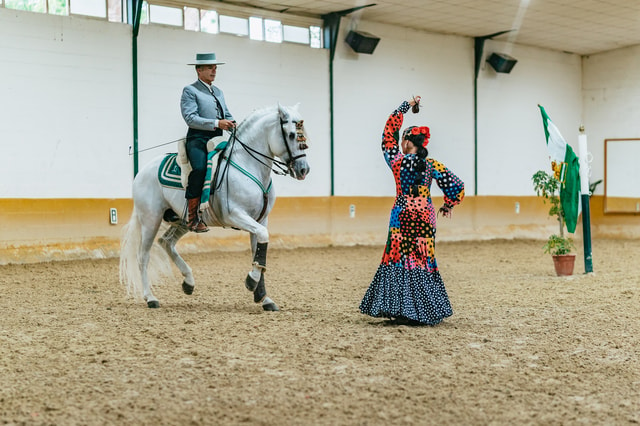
(169,171)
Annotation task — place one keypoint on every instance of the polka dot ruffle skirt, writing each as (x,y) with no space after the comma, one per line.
(410,293)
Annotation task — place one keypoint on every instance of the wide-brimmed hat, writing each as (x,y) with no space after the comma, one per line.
(207,59)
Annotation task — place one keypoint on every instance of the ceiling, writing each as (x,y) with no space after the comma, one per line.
(577,26)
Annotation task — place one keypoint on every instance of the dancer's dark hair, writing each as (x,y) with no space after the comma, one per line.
(422,153)
(418,141)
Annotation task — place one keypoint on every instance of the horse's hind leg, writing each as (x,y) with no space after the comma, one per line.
(148,233)
(255,279)
(168,242)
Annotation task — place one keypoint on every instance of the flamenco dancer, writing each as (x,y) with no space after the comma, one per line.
(407,287)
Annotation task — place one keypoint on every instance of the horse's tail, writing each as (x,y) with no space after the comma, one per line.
(159,263)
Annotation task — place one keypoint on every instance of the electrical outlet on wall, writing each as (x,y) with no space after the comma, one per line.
(113,216)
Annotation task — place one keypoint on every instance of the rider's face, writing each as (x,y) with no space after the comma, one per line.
(207,73)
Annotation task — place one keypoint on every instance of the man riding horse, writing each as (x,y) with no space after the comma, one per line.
(204,110)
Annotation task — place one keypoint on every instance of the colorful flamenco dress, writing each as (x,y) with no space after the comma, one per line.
(407,284)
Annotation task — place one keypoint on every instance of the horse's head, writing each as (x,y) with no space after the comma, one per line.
(294,142)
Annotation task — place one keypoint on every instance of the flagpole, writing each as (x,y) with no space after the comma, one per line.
(584,191)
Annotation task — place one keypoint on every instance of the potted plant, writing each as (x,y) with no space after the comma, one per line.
(560,247)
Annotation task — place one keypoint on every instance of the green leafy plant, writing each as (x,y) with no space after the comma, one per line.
(558,245)
(547,187)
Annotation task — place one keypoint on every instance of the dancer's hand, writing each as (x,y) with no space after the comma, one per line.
(445,210)
(415,104)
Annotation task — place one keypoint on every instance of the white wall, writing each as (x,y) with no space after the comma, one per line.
(65,106)
(511,141)
(67,112)
(511,144)
(611,91)
(369,87)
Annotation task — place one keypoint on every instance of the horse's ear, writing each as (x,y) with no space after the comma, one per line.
(296,107)
(284,115)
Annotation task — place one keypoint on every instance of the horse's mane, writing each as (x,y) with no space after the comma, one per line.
(259,113)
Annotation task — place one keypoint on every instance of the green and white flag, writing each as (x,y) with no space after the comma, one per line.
(566,163)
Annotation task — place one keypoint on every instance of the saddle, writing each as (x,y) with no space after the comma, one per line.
(175,168)
(183,160)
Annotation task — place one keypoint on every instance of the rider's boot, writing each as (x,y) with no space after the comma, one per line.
(195,224)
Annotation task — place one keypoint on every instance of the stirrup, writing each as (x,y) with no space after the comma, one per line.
(199,227)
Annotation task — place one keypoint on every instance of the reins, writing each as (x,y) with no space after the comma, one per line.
(281,168)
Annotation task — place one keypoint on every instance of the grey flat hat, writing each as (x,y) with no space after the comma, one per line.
(207,59)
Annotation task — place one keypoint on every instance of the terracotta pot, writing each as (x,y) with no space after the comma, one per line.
(564,264)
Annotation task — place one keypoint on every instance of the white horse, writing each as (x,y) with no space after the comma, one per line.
(241,198)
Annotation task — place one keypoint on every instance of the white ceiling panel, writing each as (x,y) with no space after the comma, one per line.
(578,26)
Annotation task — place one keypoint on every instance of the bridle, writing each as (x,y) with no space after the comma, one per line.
(301,139)
(279,167)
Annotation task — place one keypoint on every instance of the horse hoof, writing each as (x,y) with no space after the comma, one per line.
(187,288)
(272,307)
(250,284)
(153,304)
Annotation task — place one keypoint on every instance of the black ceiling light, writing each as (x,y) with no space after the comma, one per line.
(501,62)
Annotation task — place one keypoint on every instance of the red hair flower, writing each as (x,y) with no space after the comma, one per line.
(422,129)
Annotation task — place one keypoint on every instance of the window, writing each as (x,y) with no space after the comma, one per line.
(295,34)
(165,15)
(272,31)
(97,8)
(255,28)
(209,21)
(144,13)
(28,5)
(114,12)
(191,19)
(233,25)
(59,7)
(316,37)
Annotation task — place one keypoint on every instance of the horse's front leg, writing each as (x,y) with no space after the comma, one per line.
(168,242)
(259,242)
(255,279)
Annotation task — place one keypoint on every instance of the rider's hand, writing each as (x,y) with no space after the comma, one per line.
(226,124)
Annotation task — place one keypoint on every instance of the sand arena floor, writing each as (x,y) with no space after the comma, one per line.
(523,346)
